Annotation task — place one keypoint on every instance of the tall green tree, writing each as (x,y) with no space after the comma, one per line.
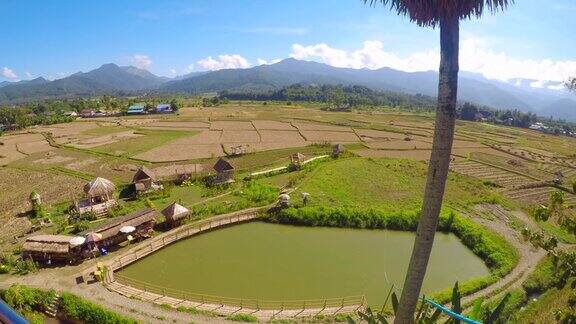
(445,14)
(571,84)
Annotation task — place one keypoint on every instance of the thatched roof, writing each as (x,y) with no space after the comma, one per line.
(222,165)
(47,244)
(113,227)
(99,187)
(144,173)
(175,212)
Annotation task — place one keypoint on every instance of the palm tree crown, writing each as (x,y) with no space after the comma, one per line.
(431,12)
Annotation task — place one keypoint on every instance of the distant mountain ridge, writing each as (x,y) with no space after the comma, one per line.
(107,79)
(112,79)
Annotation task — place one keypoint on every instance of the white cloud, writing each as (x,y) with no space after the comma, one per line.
(260,61)
(372,56)
(559,86)
(225,61)
(475,56)
(173,71)
(29,75)
(9,74)
(141,61)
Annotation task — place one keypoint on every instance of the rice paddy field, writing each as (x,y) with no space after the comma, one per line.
(384,166)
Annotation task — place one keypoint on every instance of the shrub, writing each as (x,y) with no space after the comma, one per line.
(242,318)
(78,309)
(27,300)
(80,226)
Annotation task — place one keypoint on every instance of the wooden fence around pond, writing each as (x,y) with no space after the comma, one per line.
(221,305)
(249,303)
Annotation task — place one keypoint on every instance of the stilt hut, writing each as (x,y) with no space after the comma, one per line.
(48,248)
(110,233)
(100,193)
(296,161)
(224,172)
(144,180)
(175,214)
(337,149)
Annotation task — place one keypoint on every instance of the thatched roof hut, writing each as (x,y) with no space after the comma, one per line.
(224,172)
(175,212)
(223,166)
(99,187)
(143,173)
(50,244)
(136,219)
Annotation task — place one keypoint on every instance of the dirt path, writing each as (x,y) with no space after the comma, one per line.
(62,279)
(528,255)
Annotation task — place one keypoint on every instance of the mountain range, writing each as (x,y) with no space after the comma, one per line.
(526,95)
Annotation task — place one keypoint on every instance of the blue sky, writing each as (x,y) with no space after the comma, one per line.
(533,39)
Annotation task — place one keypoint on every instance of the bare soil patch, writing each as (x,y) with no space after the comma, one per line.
(231,125)
(420,155)
(330,136)
(179,152)
(281,136)
(375,135)
(272,125)
(400,145)
(321,127)
(240,136)
(175,124)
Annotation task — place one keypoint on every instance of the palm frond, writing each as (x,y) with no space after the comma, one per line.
(431,12)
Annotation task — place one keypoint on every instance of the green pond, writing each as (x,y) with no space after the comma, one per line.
(281,262)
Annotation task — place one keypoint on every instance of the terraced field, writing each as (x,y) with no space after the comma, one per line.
(501,177)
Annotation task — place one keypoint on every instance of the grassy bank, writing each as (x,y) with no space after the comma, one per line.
(498,255)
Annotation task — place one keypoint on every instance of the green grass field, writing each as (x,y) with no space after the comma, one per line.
(387,184)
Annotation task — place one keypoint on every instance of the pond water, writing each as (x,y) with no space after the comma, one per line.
(282,262)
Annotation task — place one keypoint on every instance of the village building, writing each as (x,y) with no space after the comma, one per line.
(70,113)
(87,113)
(136,109)
(99,198)
(111,233)
(144,180)
(224,172)
(48,248)
(337,149)
(164,109)
(175,214)
(296,161)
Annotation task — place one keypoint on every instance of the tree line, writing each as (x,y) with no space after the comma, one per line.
(336,96)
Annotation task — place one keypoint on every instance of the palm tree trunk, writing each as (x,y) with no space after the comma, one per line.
(437,170)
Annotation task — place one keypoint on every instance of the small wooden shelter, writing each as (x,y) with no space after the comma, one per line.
(175,214)
(337,149)
(224,172)
(99,190)
(296,161)
(143,180)
(110,233)
(48,248)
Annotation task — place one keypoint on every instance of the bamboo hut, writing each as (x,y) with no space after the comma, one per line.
(99,194)
(144,180)
(296,161)
(224,172)
(110,233)
(48,248)
(175,214)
